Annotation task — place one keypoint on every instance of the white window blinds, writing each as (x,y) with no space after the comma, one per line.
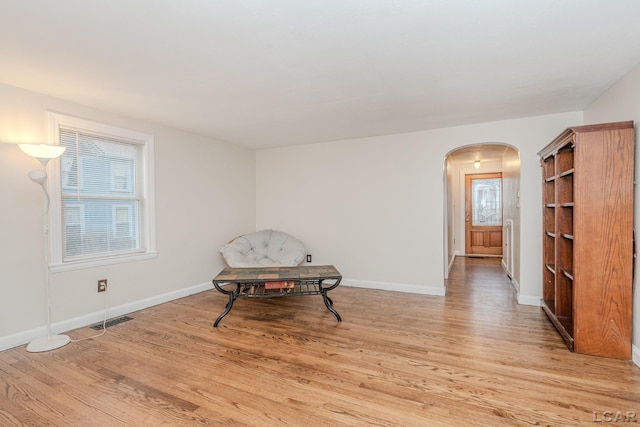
(102,195)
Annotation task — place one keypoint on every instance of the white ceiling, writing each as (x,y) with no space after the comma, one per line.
(265,73)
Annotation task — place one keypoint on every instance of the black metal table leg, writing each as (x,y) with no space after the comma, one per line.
(329,304)
(226,311)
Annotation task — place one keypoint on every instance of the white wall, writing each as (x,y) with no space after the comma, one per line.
(511,210)
(622,102)
(450,192)
(373,207)
(205,195)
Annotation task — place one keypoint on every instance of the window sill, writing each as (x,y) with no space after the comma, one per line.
(78,265)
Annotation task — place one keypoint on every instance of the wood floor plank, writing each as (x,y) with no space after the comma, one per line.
(473,357)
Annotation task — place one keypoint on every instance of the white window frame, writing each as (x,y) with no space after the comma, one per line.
(56,121)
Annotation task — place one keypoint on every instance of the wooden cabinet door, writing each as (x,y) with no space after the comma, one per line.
(483,214)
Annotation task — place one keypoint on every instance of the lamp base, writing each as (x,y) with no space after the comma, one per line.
(48,343)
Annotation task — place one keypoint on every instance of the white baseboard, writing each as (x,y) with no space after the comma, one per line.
(528,300)
(635,355)
(506,270)
(515,284)
(25,337)
(398,287)
(453,258)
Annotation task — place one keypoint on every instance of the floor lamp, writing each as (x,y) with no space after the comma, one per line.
(44,153)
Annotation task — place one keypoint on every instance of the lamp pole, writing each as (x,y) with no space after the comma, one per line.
(44,153)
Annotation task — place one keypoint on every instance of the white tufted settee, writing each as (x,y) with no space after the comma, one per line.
(265,248)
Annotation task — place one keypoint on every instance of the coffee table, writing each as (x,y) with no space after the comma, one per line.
(289,281)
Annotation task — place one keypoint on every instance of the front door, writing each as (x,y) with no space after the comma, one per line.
(483,214)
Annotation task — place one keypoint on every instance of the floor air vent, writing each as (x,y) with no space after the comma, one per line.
(111,322)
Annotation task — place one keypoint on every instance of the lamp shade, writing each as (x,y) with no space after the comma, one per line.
(42,151)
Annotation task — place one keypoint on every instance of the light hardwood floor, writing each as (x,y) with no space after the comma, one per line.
(474,357)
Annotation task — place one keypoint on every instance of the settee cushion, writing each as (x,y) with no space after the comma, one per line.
(264,248)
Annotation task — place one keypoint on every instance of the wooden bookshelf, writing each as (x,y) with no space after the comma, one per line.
(587,199)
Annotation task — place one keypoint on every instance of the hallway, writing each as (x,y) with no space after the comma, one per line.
(481,299)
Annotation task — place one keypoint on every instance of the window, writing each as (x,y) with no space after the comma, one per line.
(124,229)
(102,209)
(121,171)
(69,172)
(74,224)
(487,201)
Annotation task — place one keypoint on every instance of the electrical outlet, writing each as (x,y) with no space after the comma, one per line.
(102,285)
(308,258)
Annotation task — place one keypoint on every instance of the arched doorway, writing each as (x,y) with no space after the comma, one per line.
(477,160)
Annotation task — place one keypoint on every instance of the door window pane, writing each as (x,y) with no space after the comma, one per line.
(487,201)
